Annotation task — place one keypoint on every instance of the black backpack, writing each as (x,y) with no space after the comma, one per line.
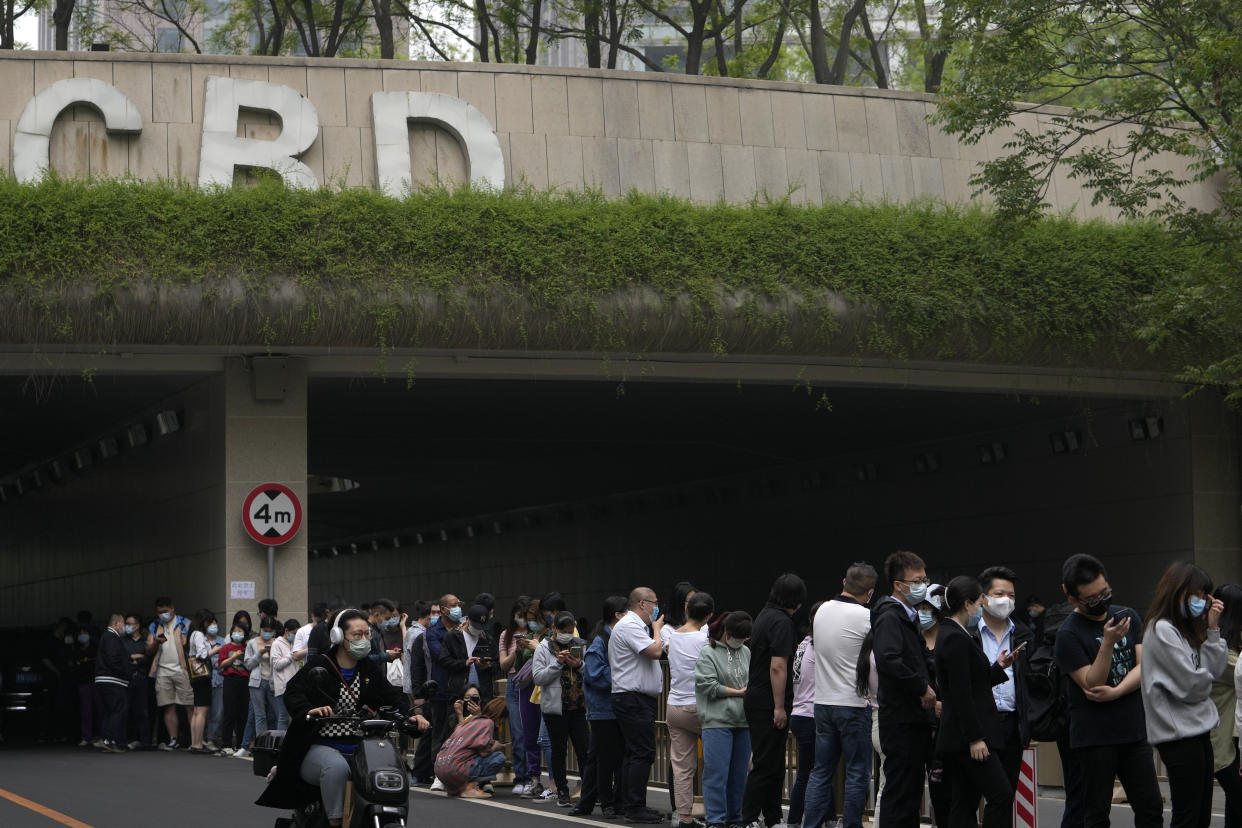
(1047,702)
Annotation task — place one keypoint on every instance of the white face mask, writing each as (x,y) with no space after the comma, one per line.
(735,643)
(999,608)
(564,638)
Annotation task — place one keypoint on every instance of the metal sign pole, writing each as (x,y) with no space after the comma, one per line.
(271,572)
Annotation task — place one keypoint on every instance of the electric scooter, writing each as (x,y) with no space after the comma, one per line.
(381,785)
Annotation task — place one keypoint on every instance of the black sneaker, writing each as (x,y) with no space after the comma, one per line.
(610,812)
(646,816)
(563,800)
(578,810)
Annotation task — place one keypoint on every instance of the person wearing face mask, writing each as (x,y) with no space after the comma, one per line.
(236,692)
(416,663)
(169,668)
(968,736)
(531,715)
(90,705)
(931,614)
(140,648)
(557,672)
(599,774)
(510,645)
(315,753)
(637,682)
(684,645)
(478,649)
(112,679)
(720,676)
(1099,647)
(842,715)
(284,666)
(384,621)
(998,632)
(1184,655)
(905,690)
(202,648)
(446,646)
(259,663)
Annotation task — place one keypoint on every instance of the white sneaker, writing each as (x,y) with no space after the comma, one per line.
(241,753)
(547,795)
(84,743)
(518,790)
(226,752)
(98,743)
(437,785)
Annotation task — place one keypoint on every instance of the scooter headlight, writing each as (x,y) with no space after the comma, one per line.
(389,780)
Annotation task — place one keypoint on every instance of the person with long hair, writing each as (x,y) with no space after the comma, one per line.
(1225,697)
(720,681)
(531,715)
(510,638)
(472,756)
(968,736)
(599,774)
(802,716)
(202,646)
(558,672)
(1183,655)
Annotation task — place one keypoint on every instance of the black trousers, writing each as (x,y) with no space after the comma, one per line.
(599,773)
(907,749)
(139,718)
(1133,766)
(236,706)
(971,780)
(443,720)
(1009,747)
(114,698)
(766,780)
(424,759)
(569,726)
(1071,769)
(1189,764)
(636,715)
(1231,784)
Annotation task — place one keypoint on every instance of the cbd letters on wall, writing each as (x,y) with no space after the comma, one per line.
(222,151)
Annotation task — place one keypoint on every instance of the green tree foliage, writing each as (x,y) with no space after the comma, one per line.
(1169,72)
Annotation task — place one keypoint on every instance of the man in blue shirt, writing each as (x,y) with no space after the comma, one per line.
(999,633)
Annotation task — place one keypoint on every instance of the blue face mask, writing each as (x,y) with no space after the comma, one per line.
(926,620)
(238,637)
(655,615)
(455,613)
(1195,606)
(389,623)
(973,621)
(534,626)
(268,635)
(213,629)
(917,593)
(129,629)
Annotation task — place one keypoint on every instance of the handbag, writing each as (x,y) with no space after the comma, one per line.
(525,676)
(199,667)
(536,695)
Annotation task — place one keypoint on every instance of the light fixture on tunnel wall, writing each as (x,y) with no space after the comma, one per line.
(496,527)
(314,553)
(4,493)
(166,422)
(470,531)
(1146,428)
(867,473)
(82,460)
(136,435)
(418,539)
(36,479)
(1065,442)
(108,448)
(353,549)
(991,454)
(927,462)
(336,553)
(18,487)
(374,545)
(396,542)
(56,471)
(443,535)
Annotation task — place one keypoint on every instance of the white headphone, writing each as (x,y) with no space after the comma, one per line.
(336,635)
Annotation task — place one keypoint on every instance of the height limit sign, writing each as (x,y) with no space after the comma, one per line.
(272,514)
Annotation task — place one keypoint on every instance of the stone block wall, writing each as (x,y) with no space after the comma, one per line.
(694,137)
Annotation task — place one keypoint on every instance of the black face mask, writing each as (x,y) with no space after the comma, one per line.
(1099,606)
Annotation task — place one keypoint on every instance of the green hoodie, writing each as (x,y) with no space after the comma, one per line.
(719,667)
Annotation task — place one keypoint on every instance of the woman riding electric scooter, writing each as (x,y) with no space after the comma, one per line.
(315,753)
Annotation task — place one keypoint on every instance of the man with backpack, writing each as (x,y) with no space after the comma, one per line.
(1047,707)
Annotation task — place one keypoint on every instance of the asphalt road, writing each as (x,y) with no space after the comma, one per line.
(86,789)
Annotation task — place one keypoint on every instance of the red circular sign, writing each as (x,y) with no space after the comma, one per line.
(272,514)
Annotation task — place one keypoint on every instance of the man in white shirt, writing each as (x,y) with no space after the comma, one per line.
(168,667)
(637,681)
(842,716)
(301,640)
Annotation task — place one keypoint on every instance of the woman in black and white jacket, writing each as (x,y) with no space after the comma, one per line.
(967,737)
(558,673)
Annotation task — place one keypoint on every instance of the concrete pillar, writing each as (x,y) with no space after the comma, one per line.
(264,442)
(1217,488)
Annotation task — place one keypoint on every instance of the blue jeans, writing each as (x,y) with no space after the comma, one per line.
(282,713)
(485,768)
(215,713)
(840,730)
(520,777)
(726,753)
(328,770)
(263,707)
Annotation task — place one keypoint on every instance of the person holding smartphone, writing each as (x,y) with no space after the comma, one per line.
(558,672)
(998,632)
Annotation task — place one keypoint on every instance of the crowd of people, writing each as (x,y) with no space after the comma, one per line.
(948,684)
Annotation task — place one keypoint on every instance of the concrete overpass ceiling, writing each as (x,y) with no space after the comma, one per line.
(446,450)
(45,416)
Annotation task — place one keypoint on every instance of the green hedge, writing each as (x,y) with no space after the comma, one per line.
(122,262)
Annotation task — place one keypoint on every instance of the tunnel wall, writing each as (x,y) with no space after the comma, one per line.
(147,522)
(1134,504)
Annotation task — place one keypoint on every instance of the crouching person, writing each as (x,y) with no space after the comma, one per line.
(471,757)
